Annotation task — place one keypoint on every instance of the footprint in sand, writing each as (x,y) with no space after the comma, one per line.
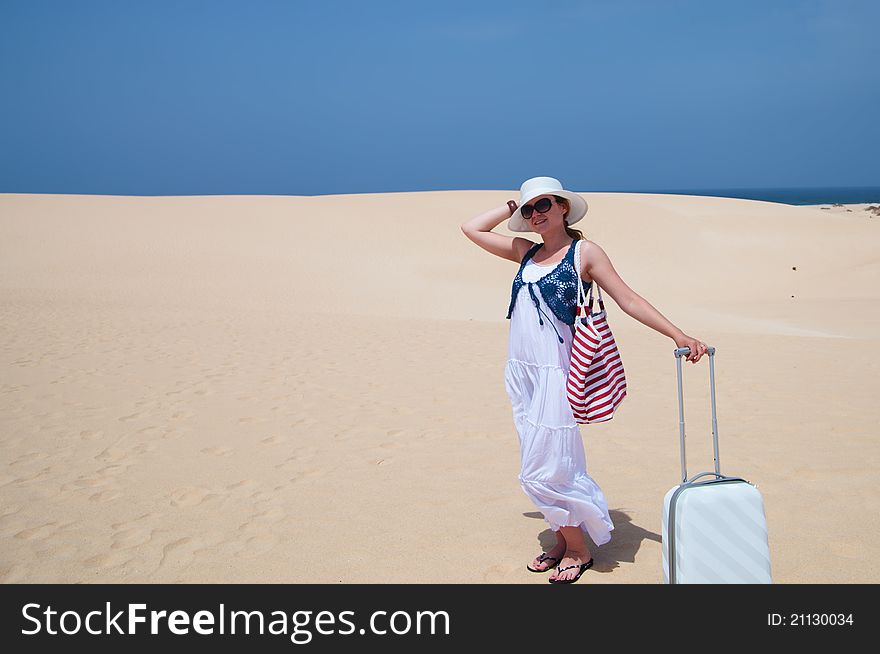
(173,434)
(180,552)
(191,496)
(91,434)
(133,416)
(131,537)
(273,440)
(85,482)
(303,454)
(113,470)
(108,560)
(306,474)
(495,572)
(111,455)
(218,450)
(244,483)
(390,445)
(292,464)
(248,420)
(105,496)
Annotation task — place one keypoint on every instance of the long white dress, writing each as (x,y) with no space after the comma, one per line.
(553,470)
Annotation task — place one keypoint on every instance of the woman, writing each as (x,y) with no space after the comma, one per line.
(553,463)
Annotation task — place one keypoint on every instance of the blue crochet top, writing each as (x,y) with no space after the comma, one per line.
(558,287)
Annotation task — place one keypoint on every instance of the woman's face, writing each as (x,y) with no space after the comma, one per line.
(552,220)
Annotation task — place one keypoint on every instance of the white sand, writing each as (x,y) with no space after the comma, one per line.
(310,389)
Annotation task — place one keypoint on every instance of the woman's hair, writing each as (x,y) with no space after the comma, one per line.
(573,233)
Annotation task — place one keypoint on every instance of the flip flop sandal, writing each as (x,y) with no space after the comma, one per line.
(582,566)
(543,557)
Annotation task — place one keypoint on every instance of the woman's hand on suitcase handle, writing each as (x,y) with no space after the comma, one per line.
(697,348)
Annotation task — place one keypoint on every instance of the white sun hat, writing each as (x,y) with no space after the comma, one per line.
(537,186)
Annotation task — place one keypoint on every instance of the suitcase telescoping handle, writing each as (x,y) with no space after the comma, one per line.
(684,351)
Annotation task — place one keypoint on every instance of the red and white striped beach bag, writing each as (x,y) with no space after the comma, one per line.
(596,381)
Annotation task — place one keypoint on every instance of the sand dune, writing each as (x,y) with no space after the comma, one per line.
(310,389)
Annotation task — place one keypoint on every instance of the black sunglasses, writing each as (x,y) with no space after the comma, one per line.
(541,206)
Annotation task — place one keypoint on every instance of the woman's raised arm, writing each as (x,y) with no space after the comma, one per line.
(479,230)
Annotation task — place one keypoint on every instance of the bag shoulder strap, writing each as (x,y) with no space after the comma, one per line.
(594,284)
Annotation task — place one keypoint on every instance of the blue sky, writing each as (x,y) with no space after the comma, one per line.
(266,97)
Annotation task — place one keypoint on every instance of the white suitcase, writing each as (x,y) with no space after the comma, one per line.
(714,531)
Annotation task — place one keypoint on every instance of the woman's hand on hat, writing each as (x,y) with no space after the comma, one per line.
(697,348)
(512,206)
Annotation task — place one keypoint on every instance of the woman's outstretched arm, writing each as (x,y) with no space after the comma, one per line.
(599,268)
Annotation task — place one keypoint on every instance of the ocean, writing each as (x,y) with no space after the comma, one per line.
(817,195)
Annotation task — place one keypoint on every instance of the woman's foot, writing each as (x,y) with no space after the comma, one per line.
(544,562)
(571,558)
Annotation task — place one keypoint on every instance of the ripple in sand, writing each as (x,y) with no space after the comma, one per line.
(37,533)
(258,545)
(270,515)
(14,574)
(29,456)
(849,549)
(117,526)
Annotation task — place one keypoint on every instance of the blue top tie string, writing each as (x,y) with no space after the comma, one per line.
(540,311)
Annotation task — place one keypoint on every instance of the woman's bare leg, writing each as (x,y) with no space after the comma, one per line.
(576,552)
